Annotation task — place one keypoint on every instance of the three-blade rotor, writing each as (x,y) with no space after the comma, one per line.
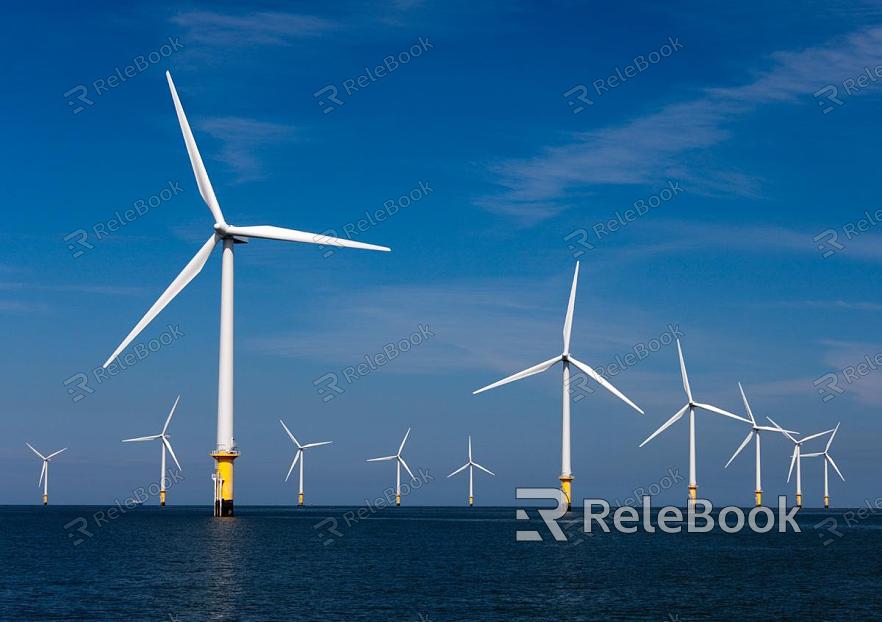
(164,435)
(471,463)
(397,456)
(300,448)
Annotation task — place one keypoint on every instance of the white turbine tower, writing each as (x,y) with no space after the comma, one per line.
(797,457)
(754,434)
(399,462)
(566,475)
(691,406)
(166,445)
(44,472)
(227,235)
(471,464)
(828,459)
(299,456)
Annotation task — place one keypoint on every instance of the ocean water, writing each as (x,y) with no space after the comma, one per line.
(422,565)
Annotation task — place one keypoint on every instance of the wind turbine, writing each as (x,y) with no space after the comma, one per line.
(471,464)
(166,444)
(399,463)
(797,458)
(228,235)
(691,406)
(300,457)
(754,434)
(828,459)
(566,474)
(44,472)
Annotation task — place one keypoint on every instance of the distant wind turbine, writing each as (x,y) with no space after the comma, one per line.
(754,434)
(44,472)
(299,456)
(566,475)
(227,235)
(399,463)
(797,457)
(166,445)
(828,459)
(691,406)
(471,467)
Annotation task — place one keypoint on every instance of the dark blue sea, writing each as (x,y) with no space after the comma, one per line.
(422,565)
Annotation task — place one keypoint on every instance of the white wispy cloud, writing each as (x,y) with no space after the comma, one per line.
(241,141)
(260,28)
(671,143)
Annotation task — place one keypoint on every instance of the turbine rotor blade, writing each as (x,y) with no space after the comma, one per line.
(170,414)
(308,445)
(605,384)
(42,457)
(202,180)
(683,372)
(172,452)
(296,442)
(407,468)
(720,411)
(483,469)
(808,438)
(381,459)
(42,473)
(470,448)
(746,404)
(740,447)
(792,461)
(536,369)
(142,438)
(50,456)
(459,469)
(269,232)
(181,281)
(667,424)
(568,320)
(833,464)
(403,441)
(778,428)
(830,440)
(296,458)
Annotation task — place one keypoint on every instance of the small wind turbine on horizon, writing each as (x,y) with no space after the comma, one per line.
(691,406)
(300,456)
(797,457)
(566,475)
(399,462)
(227,235)
(828,459)
(166,445)
(754,434)
(471,464)
(44,472)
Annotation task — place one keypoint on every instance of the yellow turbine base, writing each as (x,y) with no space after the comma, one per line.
(799,501)
(300,499)
(224,469)
(826,502)
(162,498)
(397,500)
(566,486)
(693,492)
(45,499)
(759,498)
(471,501)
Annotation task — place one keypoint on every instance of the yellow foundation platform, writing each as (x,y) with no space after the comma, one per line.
(759,497)
(566,486)
(223,506)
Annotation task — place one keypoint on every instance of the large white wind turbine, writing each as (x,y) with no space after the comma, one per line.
(166,445)
(828,460)
(228,235)
(471,464)
(566,475)
(797,457)
(44,472)
(754,434)
(299,456)
(691,406)
(399,462)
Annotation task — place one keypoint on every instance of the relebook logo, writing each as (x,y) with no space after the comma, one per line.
(665,519)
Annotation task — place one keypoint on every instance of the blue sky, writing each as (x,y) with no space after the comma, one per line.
(732,117)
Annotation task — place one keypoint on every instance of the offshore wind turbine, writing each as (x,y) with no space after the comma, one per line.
(754,434)
(399,462)
(566,473)
(828,459)
(166,445)
(691,406)
(797,457)
(228,236)
(471,464)
(44,472)
(300,457)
